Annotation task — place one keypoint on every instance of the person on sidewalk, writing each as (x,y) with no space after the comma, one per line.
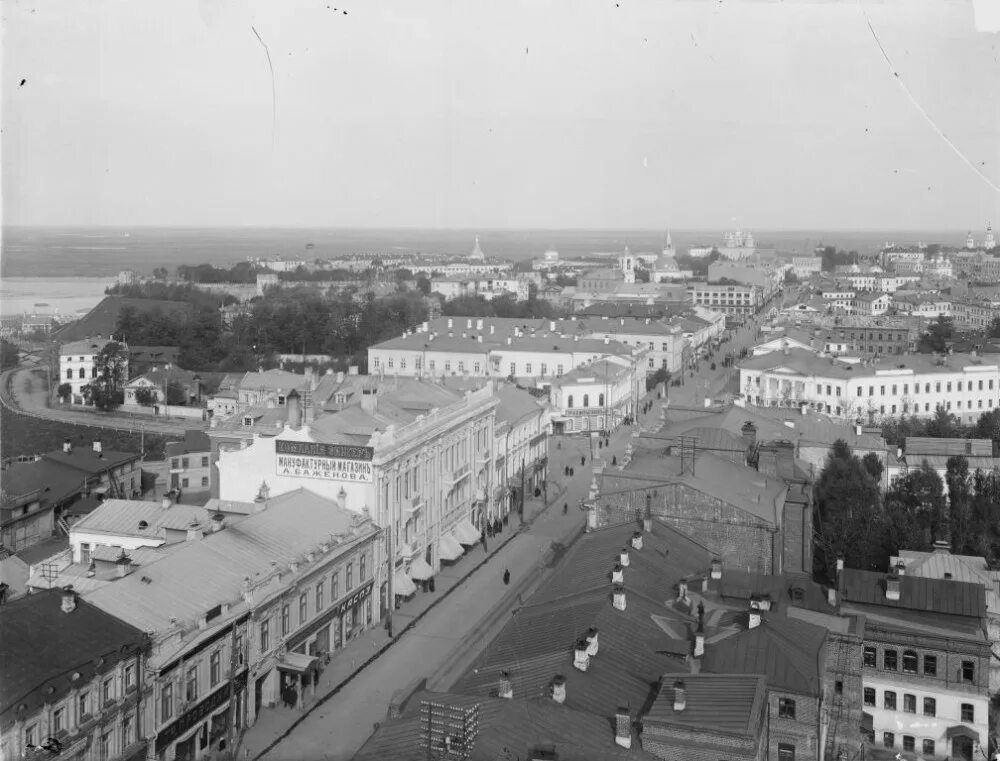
(506,577)
(583,461)
(565,507)
(482,538)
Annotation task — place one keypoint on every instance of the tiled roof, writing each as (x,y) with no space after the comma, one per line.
(507,729)
(730,703)
(41,643)
(954,598)
(211,570)
(786,650)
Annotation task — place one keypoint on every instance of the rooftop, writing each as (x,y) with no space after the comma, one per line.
(140,519)
(802,362)
(194,441)
(730,703)
(85,459)
(952,598)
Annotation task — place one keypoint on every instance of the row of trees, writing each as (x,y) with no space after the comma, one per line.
(942,425)
(856,522)
(503,306)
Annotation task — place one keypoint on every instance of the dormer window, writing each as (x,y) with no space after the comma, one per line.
(247,421)
(340,398)
(281,400)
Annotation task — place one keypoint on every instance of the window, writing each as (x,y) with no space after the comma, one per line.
(128,727)
(889,701)
(869,696)
(335,585)
(107,691)
(888,739)
(191,686)
(204,462)
(361,569)
(890,660)
(786,708)
(265,635)
(968,713)
(175,463)
(240,655)
(786,752)
(909,703)
(569,402)
(908,742)
(350,577)
(82,706)
(166,703)
(586,400)
(909,662)
(930,665)
(204,480)
(930,707)
(303,608)
(214,668)
(512,368)
(184,483)
(968,671)
(129,677)
(929,748)
(69,374)
(82,373)
(838,687)
(960,385)
(870,657)
(527,368)
(286,619)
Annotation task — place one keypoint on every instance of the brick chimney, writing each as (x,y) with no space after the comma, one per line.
(98,447)
(581,660)
(618,597)
(194,531)
(617,574)
(680,695)
(753,620)
(749,433)
(637,540)
(506,689)
(218,521)
(592,644)
(559,688)
(716,568)
(67,446)
(892,587)
(624,557)
(623,727)
(68,599)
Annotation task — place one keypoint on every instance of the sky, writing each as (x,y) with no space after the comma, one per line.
(486,114)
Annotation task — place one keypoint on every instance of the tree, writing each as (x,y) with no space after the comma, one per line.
(106,391)
(146,396)
(988,425)
(424,285)
(662,375)
(916,510)
(873,465)
(64,392)
(939,332)
(791,278)
(994,329)
(160,273)
(944,425)
(9,355)
(959,502)
(176,393)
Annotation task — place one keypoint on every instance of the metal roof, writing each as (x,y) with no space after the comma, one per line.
(717,702)
(916,593)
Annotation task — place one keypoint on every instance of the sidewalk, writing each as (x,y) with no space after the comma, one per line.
(274,724)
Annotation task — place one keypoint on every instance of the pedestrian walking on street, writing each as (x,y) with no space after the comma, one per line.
(482,538)
(565,507)
(583,461)
(506,577)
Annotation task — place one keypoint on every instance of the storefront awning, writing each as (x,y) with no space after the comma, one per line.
(419,570)
(465,532)
(449,548)
(297,663)
(960,730)
(403,585)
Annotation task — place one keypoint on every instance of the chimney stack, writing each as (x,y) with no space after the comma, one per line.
(68,599)
(165,503)
(592,644)
(754,618)
(98,447)
(194,531)
(617,574)
(624,557)
(699,642)
(506,688)
(581,660)
(218,521)
(680,695)
(900,568)
(716,568)
(840,565)
(618,597)
(623,727)
(941,546)
(637,540)
(647,525)
(67,446)
(831,597)
(892,587)
(123,564)
(559,688)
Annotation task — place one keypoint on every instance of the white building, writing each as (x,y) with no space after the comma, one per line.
(78,367)
(964,385)
(523,425)
(806,266)
(488,288)
(598,397)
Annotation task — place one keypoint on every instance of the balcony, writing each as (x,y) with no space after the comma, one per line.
(459,473)
(411,505)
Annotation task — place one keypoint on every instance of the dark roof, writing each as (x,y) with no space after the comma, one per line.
(917,593)
(102,320)
(194,441)
(786,650)
(507,729)
(42,647)
(718,702)
(84,458)
(51,482)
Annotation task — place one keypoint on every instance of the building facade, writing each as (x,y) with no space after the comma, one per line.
(599,397)
(78,365)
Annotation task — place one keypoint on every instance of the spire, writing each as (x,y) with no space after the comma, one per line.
(670,243)
(477,252)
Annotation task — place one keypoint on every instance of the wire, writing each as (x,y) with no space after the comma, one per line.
(274,100)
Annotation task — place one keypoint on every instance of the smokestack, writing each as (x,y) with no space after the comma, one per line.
(680,695)
(892,587)
(637,540)
(623,727)
(559,688)
(68,599)
(592,644)
(218,521)
(506,689)
(581,660)
(618,597)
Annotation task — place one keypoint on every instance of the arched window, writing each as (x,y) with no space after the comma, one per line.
(586,400)
(83,373)
(909,662)
(569,402)
(600,400)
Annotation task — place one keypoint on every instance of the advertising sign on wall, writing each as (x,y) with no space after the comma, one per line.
(331,462)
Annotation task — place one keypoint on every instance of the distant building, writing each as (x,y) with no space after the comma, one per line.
(730,299)
(190,469)
(78,365)
(598,397)
(805,267)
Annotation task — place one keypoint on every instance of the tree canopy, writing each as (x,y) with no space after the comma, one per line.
(106,390)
